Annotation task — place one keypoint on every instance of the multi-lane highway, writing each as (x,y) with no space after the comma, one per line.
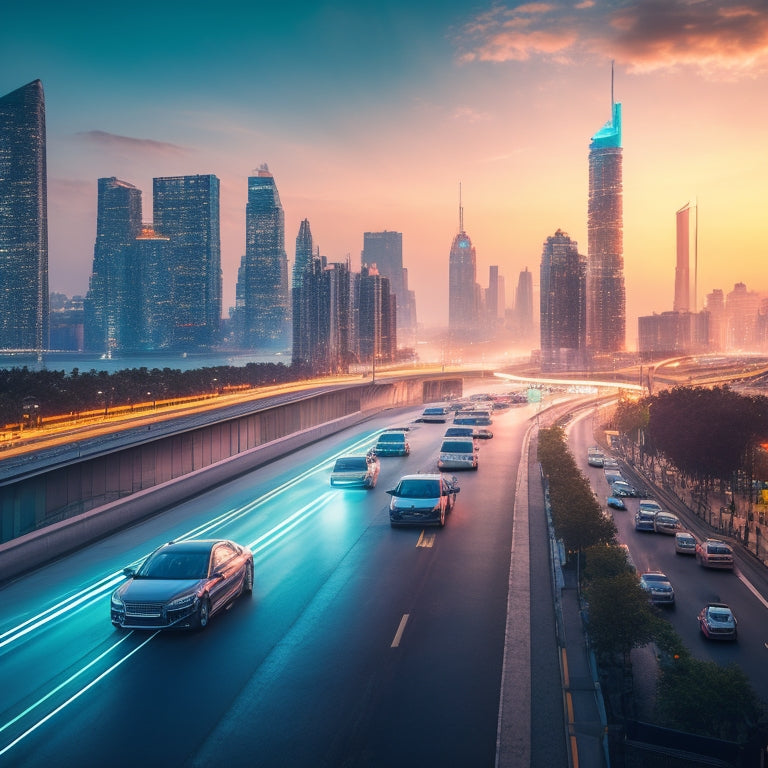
(361,644)
(745,589)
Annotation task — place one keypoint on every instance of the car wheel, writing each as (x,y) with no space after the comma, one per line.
(203,612)
(248,580)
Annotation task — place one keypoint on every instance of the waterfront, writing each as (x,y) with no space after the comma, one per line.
(83,361)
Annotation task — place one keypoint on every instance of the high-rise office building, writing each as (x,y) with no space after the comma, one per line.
(304,255)
(718,326)
(606,302)
(108,305)
(263,320)
(385,250)
(23,220)
(462,288)
(149,325)
(375,320)
(686,236)
(524,305)
(495,303)
(186,210)
(563,304)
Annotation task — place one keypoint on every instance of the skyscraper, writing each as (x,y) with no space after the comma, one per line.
(563,304)
(23,220)
(107,305)
(524,305)
(385,250)
(375,317)
(606,303)
(300,319)
(462,290)
(263,320)
(186,210)
(495,303)
(149,326)
(685,234)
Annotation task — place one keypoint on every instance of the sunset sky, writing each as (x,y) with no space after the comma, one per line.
(370,115)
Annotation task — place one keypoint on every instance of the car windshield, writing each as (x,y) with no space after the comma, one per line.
(458,432)
(719,549)
(175,565)
(418,489)
(391,437)
(657,577)
(720,615)
(456,446)
(351,465)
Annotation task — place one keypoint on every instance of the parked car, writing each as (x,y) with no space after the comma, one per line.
(685,543)
(182,584)
(665,522)
(658,587)
(435,414)
(644,520)
(422,499)
(717,622)
(458,453)
(713,553)
(392,443)
(356,471)
(615,502)
(609,463)
(482,433)
(650,505)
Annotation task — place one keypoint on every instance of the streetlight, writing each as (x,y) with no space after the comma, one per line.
(106,403)
(154,401)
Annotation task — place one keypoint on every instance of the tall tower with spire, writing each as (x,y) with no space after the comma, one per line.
(462,276)
(606,300)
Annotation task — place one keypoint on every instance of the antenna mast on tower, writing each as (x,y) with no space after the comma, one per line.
(461,212)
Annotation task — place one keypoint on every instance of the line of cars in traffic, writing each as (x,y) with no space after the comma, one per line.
(716,620)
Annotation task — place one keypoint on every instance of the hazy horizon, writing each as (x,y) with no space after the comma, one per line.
(369,116)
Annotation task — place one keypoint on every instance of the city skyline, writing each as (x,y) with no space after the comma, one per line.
(371,117)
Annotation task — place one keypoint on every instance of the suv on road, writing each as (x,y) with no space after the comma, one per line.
(422,499)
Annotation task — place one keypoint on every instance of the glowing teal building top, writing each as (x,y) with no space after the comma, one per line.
(610,134)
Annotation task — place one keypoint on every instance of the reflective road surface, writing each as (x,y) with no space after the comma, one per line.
(361,645)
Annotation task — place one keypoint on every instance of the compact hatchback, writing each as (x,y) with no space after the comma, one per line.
(422,499)
(717,622)
(392,443)
(713,553)
(457,453)
(658,587)
(356,471)
(685,543)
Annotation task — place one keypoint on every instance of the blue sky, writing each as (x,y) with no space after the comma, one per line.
(369,115)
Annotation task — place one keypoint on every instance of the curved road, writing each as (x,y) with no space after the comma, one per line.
(363,645)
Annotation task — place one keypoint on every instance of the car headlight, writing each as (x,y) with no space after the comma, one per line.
(117,601)
(182,602)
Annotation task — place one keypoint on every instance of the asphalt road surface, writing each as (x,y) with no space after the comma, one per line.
(362,645)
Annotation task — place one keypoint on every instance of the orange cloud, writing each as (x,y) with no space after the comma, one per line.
(710,35)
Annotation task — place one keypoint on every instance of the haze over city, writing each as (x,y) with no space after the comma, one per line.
(369,117)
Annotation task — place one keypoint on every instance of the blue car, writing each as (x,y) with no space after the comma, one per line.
(615,502)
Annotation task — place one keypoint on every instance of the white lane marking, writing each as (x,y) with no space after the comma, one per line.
(75,696)
(400,630)
(748,585)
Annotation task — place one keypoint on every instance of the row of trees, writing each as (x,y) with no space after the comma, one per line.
(710,434)
(694,696)
(55,393)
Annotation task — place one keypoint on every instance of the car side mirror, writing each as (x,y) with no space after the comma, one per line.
(391,493)
(129,571)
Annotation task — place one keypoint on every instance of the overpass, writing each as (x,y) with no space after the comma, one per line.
(55,500)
